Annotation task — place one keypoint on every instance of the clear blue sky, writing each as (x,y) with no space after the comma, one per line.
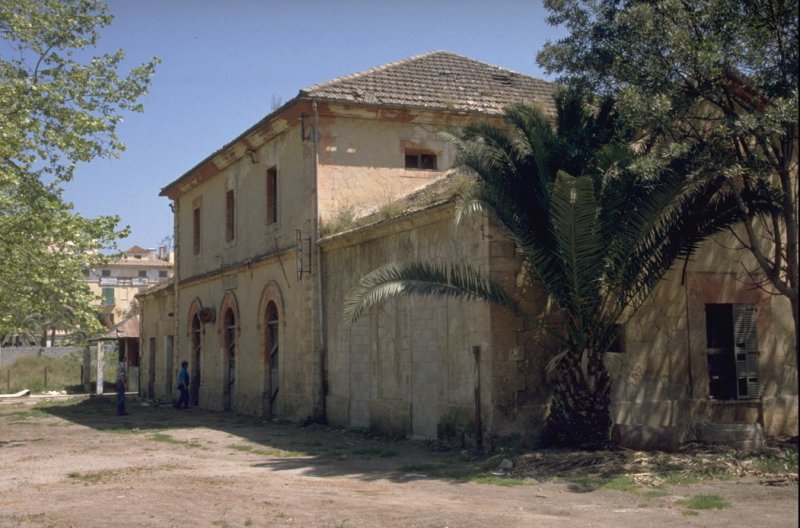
(224,62)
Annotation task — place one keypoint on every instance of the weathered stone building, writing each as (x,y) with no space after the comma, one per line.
(118,282)
(272,229)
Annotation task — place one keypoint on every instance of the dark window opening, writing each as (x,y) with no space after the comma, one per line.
(230,216)
(196,231)
(272,350)
(732,351)
(108,296)
(162,274)
(420,160)
(230,347)
(143,273)
(105,273)
(272,195)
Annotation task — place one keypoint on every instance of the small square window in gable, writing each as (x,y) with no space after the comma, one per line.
(420,160)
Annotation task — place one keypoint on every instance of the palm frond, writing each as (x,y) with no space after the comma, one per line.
(425,279)
(575,223)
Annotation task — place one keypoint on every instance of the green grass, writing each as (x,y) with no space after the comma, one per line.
(89,478)
(694,476)
(268,452)
(63,374)
(585,483)
(162,437)
(479,473)
(655,494)
(781,461)
(706,502)
(24,415)
(369,452)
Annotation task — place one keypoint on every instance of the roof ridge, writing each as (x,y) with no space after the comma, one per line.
(382,67)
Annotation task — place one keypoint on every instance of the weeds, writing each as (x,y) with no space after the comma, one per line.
(268,452)
(343,220)
(375,451)
(89,478)
(706,502)
(63,374)
(781,461)
(162,437)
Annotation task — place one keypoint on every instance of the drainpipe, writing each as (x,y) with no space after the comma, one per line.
(323,378)
(688,352)
(176,316)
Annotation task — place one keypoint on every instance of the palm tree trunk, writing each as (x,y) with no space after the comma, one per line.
(579,410)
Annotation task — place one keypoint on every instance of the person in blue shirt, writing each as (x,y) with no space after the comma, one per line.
(183,386)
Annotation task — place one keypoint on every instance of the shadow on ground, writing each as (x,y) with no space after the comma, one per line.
(322,451)
(314,449)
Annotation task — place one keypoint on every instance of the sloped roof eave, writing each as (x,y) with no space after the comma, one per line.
(127,328)
(171,190)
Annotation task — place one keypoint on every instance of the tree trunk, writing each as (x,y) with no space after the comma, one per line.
(579,410)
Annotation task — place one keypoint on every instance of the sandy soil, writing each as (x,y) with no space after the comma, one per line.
(76,464)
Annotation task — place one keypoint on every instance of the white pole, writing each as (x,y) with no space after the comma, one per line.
(99,390)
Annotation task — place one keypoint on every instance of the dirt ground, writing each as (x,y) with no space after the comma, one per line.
(72,462)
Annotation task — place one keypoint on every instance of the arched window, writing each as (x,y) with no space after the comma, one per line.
(230,351)
(272,351)
(197,349)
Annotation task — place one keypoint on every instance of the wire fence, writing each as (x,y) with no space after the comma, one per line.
(43,373)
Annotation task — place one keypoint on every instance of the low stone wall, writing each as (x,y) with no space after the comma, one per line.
(9,355)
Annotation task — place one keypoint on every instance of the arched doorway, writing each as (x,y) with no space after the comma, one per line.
(197,349)
(271,359)
(229,382)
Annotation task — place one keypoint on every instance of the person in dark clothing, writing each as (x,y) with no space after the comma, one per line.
(122,385)
(183,386)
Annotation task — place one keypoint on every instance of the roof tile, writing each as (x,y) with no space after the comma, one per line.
(438,80)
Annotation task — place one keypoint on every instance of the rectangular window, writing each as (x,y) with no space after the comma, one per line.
(732,350)
(143,273)
(105,273)
(162,274)
(420,160)
(272,195)
(108,296)
(230,216)
(196,231)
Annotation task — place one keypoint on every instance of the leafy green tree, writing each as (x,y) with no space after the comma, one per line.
(57,109)
(597,239)
(718,73)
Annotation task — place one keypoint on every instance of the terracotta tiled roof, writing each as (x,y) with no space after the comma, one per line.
(136,250)
(128,327)
(438,80)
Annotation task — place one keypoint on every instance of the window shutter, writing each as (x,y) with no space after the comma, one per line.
(746,350)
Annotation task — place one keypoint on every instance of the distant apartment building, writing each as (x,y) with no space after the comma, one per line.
(119,281)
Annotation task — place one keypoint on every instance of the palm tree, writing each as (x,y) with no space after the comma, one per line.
(597,226)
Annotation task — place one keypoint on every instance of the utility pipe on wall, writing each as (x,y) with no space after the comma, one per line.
(318,257)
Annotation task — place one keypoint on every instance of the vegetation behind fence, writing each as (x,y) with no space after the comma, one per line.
(41,373)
